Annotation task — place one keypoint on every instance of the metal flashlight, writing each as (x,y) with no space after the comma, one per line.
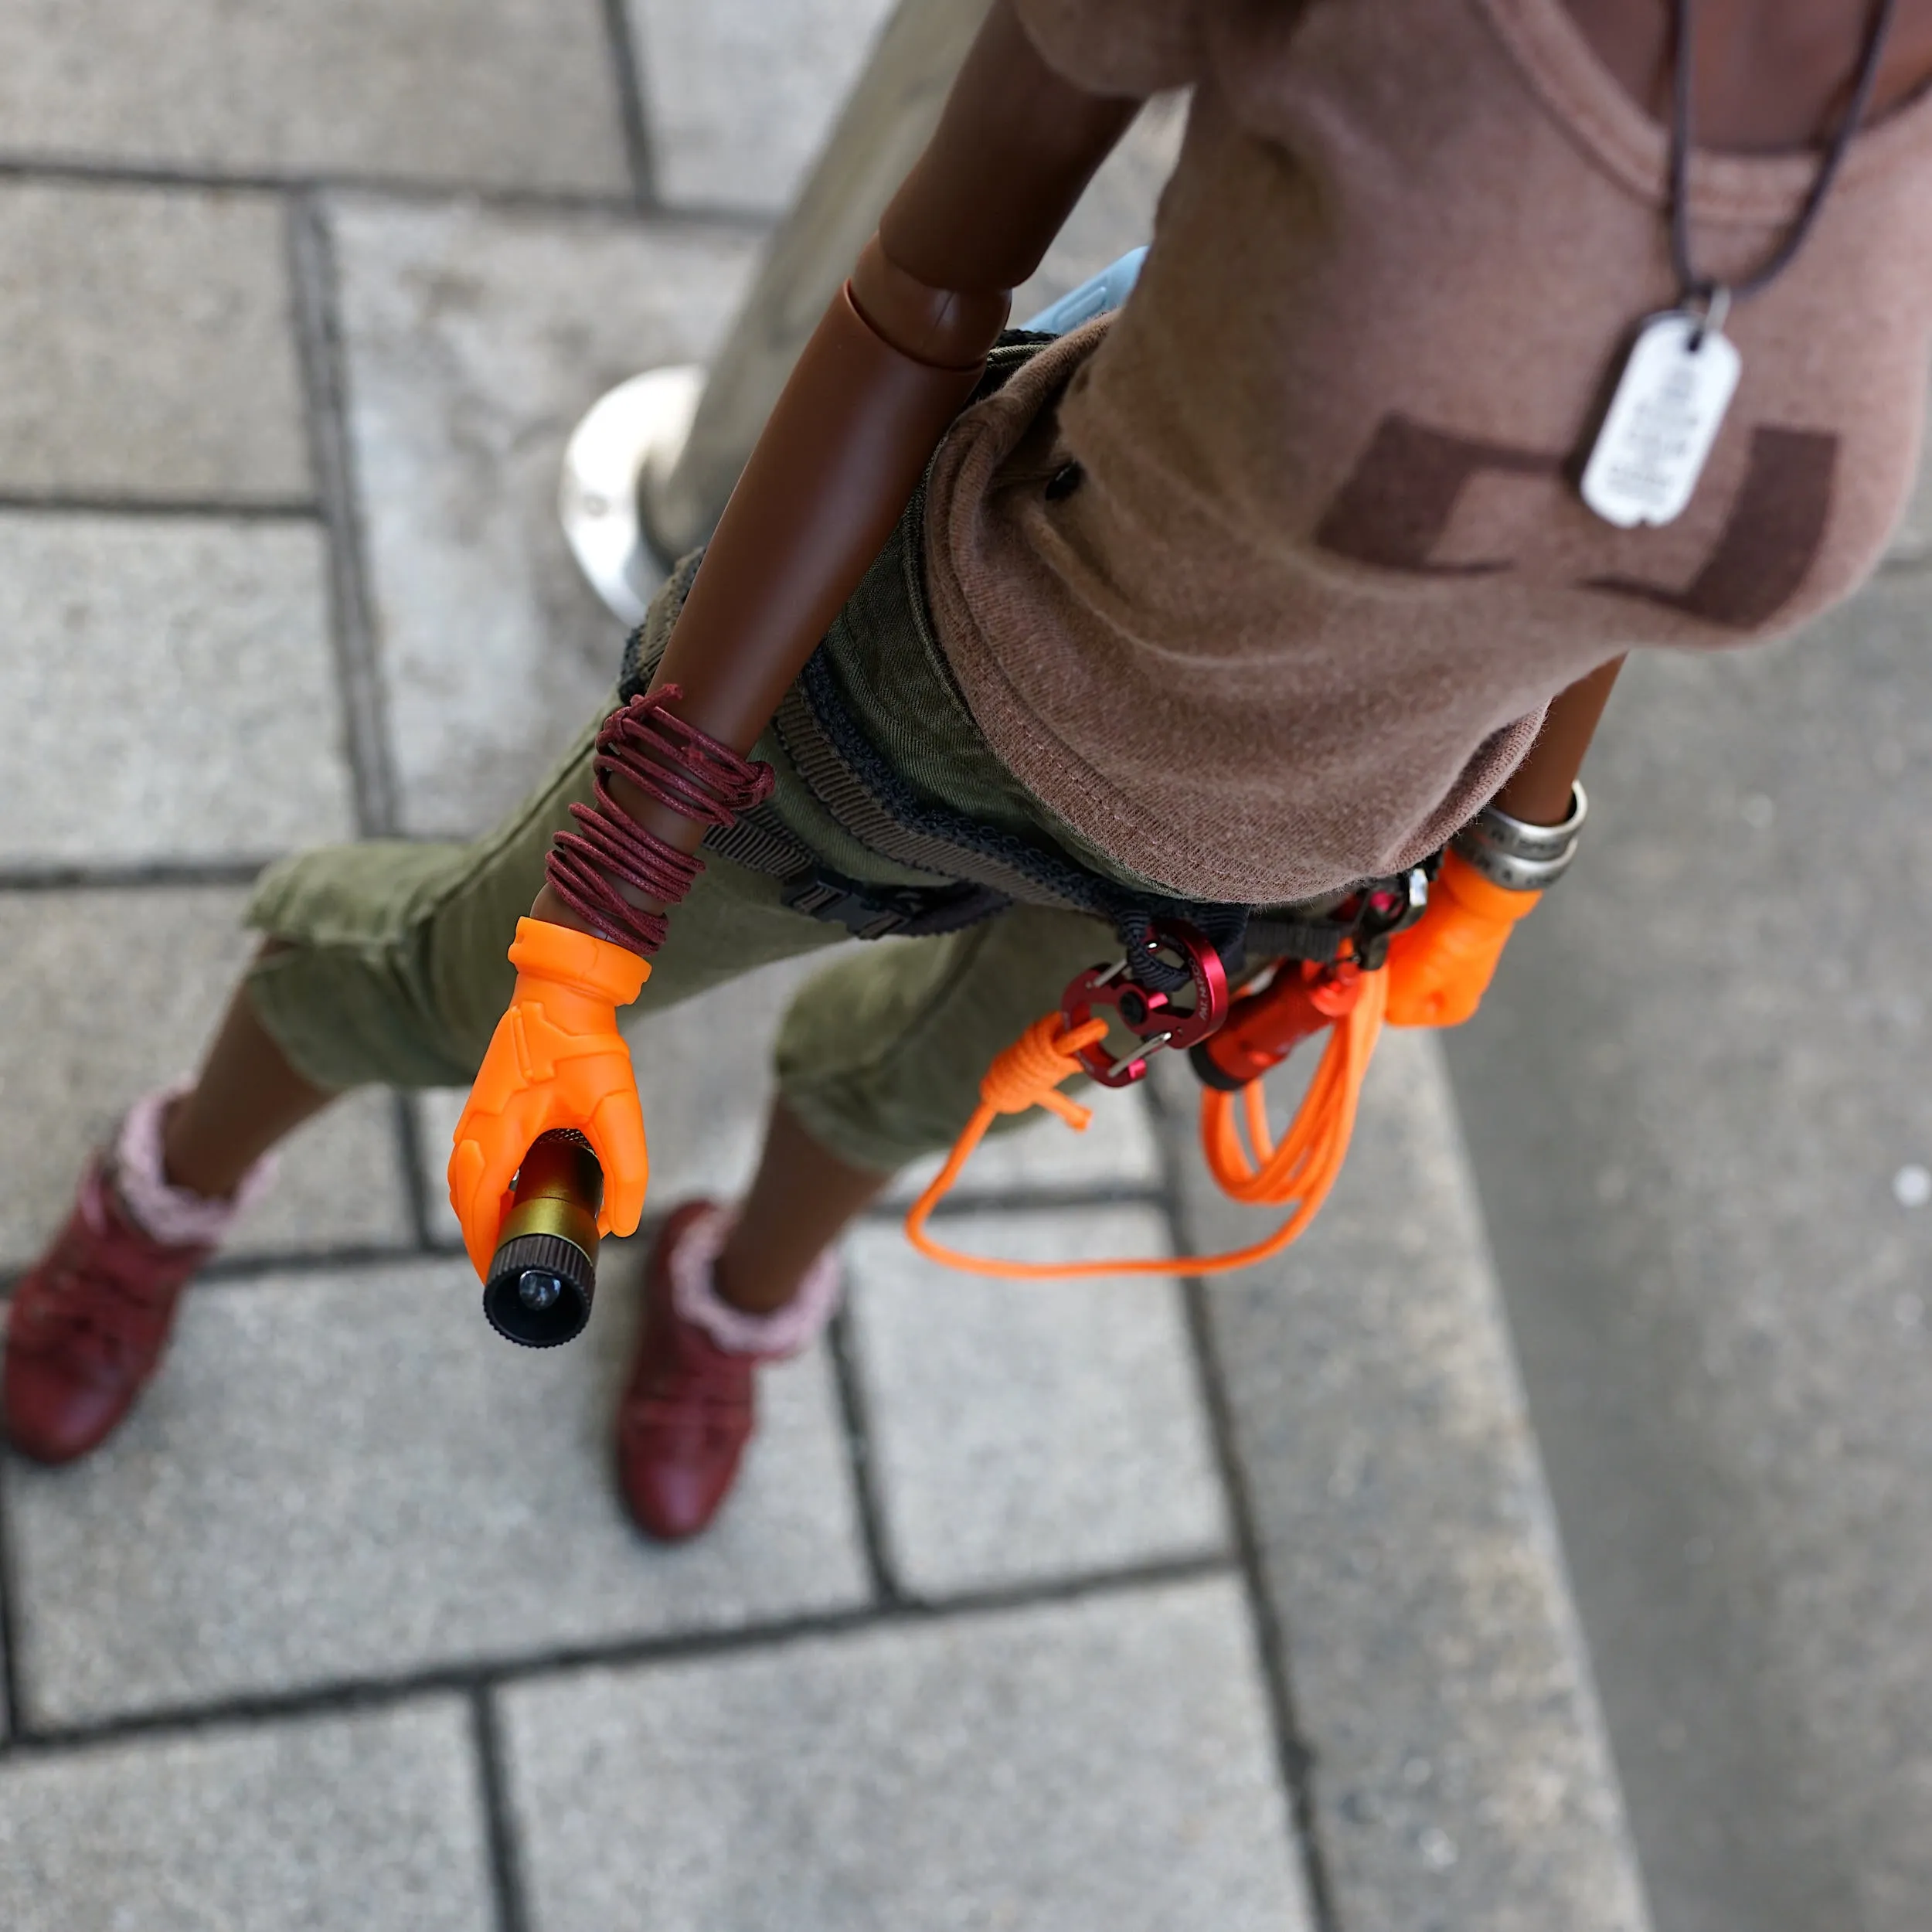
(544,1272)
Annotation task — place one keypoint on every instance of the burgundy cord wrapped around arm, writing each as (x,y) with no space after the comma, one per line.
(681,768)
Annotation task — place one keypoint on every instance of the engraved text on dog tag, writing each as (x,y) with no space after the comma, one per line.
(1669,407)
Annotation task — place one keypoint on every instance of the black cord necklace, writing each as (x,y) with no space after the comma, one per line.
(1683,370)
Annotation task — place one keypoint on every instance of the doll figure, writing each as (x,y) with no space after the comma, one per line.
(1476,345)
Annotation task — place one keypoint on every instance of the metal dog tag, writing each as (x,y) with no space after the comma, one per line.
(1669,407)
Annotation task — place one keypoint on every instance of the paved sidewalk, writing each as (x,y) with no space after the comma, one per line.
(1093,1609)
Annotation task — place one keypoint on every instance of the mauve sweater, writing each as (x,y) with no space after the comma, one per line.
(1327,563)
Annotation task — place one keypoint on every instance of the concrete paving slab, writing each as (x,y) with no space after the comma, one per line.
(336,1824)
(516,93)
(1461,1774)
(739,95)
(1043,1156)
(1912,542)
(170,691)
(347,1475)
(146,344)
(1698,1107)
(475,341)
(1024,1429)
(113,992)
(1101,1766)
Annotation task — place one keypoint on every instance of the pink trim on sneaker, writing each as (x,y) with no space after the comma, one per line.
(174,1216)
(694,1294)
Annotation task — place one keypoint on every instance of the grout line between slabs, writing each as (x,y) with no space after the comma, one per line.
(13,1715)
(426,1244)
(855,1414)
(499,1815)
(92,171)
(640,154)
(346,1695)
(624,206)
(236,1270)
(1295,1760)
(313,281)
(415,1192)
(1023,1200)
(230,1270)
(292,509)
(134,876)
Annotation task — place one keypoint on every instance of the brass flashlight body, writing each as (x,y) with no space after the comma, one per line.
(544,1273)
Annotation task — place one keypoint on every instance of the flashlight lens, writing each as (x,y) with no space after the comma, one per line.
(537,1289)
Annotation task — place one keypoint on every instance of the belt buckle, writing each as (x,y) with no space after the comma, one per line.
(1388,907)
(865,912)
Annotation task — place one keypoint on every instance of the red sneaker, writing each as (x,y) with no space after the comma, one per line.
(689,1408)
(88,1326)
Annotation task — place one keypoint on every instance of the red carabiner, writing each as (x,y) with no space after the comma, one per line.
(1264,1028)
(1151,1017)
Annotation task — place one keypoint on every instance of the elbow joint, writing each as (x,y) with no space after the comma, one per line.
(944,328)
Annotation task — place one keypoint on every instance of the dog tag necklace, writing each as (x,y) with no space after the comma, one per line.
(1683,370)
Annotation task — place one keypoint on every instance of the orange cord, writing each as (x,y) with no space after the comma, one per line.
(1301,1167)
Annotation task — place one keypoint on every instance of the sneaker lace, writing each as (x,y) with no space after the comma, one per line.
(696,1384)
(98,1309)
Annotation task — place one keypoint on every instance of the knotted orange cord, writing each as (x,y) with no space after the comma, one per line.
(1302,1167)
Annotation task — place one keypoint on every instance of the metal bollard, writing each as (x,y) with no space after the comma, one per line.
(651,466)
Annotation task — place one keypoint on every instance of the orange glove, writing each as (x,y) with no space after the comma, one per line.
(1440,967)
(556,1059)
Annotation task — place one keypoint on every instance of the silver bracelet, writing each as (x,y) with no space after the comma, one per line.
(1512,874)
(1519,856)
(1518,837)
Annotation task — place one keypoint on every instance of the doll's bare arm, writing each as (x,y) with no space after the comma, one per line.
(1538,789)
(898,353)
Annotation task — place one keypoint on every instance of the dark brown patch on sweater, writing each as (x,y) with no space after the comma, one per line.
(1393,510)
(1769,543)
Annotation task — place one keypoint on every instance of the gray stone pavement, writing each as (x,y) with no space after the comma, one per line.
(1700,1111)
(1112,1606)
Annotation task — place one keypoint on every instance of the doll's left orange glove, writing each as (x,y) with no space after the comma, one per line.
(1440,967)
(556,1059)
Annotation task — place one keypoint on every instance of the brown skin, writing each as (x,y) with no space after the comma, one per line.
(854,427)
(799,1201)
(1538,789)
(857,421)
(247,1098)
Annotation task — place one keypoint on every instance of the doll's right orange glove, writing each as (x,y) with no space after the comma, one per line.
(1440,967)
(556,1059)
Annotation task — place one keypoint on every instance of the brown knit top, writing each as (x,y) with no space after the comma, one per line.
(1326,563)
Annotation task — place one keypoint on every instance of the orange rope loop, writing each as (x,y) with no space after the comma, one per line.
(1301,1168)
(1030,1072)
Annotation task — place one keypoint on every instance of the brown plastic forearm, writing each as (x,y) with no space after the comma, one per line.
(851,430)
(843,449)
(896,356)
(1538,789)
(944,327)
(1013,150)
